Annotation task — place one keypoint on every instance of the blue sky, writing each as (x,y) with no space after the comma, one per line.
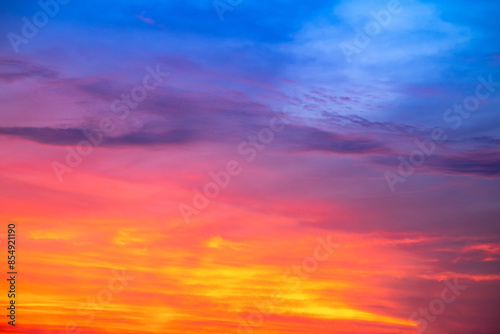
(345,164)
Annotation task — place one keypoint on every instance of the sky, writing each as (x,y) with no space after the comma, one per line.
(251,167)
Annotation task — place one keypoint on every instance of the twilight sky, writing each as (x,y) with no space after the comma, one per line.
(173,166)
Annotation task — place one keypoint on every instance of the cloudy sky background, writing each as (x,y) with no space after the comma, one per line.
(348,122)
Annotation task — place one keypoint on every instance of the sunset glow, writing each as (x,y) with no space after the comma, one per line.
(291,167)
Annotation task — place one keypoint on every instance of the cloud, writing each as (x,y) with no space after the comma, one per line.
(312,139)
(481,163)
(13,70)
(295,138)
(145,19)
(62,137)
